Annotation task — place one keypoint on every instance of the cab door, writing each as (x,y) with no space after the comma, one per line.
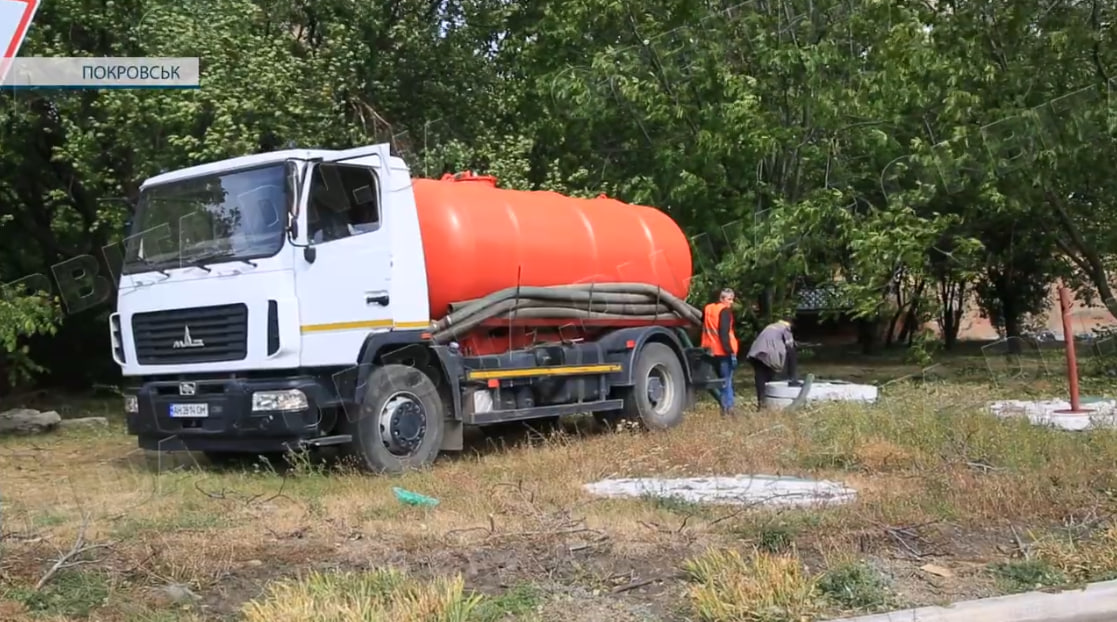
(343,269)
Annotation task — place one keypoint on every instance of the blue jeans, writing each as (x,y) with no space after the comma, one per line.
(726,366)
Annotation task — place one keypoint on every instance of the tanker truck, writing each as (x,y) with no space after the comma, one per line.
(302,299)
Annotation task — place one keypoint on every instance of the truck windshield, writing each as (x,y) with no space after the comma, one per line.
(222,217)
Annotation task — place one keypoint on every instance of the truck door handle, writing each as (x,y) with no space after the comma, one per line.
(381,299)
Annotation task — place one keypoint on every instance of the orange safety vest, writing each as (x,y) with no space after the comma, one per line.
(710,338)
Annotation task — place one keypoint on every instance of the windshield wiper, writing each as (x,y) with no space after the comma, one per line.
(150,266)
(200,262)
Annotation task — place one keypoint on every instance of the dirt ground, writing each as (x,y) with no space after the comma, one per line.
(953,504)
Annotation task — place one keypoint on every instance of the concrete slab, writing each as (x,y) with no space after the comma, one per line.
(1044,412)
(779,395)
(1094,603)
(762,490)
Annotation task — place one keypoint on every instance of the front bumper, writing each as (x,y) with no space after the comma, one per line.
(230,424)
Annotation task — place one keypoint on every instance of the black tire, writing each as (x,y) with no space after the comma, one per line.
(659,397)
(400,421)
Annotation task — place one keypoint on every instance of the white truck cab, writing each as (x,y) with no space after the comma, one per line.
(264,262)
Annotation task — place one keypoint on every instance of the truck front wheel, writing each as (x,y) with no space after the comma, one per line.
(400,422)
(658,396)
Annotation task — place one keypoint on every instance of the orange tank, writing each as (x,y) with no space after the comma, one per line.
(479,239)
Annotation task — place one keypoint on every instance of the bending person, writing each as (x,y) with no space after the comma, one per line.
(771,353)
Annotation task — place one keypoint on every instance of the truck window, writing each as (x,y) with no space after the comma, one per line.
(343,202)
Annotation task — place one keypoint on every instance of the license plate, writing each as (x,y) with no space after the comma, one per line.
(189,410)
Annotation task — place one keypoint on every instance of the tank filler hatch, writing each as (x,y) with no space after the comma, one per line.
(469,176)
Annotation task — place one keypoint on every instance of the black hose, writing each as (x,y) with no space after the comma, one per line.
(625,304)
(463,309)
(569,295)
(608,301)
(641,307)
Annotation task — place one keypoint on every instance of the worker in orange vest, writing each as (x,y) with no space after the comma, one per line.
(720,339)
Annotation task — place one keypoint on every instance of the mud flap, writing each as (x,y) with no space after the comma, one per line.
(453,437)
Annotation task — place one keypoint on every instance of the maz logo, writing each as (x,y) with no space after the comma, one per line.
(187,341)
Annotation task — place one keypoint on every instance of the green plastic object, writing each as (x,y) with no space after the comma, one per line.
(413,498)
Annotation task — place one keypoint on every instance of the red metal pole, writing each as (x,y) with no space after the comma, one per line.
(1072,361)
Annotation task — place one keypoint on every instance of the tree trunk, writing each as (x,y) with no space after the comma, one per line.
(766,306)
(952,295)
(911,318)
(1082,254)
(867,335)
(911,322)
(888,337)
(952,324)
(1011,319)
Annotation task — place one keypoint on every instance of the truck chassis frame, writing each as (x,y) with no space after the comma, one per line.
(407,399)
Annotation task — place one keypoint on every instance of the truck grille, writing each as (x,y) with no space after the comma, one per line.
(215,334)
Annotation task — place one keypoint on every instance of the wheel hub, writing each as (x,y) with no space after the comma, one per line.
(661,393)
(656,390)
(403,424)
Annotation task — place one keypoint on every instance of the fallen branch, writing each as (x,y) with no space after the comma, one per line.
(78,548)
(627,587)
(985,468)
(227,495)
(1020,546)
(620,589)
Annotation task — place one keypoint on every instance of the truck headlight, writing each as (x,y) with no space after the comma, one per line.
(292,399)
(131,404)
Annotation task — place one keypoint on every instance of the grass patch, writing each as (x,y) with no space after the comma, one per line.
(385,594)
(1026,575)
(187,520)
(70,594)
(775,532)
(513,512)
(676,505)
(1089,558)
(518,603)
(856,586)
(761,587)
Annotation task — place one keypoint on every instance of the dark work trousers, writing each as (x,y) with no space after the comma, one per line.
(764,374)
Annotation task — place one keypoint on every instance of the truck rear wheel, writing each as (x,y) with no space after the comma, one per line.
(659,396)
(400,422)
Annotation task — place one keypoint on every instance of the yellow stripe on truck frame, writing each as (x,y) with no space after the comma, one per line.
(320,328)
(529,372)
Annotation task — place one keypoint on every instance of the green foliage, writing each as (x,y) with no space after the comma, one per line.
(23,314)
(71,594)
(906,154)
(1027,574)
(855,586)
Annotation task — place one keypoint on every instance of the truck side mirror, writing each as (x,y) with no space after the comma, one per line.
(310,253)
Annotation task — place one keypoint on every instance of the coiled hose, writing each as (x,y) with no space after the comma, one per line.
(600,301)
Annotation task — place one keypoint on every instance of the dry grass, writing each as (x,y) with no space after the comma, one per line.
(762,587)
(927,464)
(377,595)
(1088,559)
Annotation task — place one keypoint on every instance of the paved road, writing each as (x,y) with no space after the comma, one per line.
(1096,602)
